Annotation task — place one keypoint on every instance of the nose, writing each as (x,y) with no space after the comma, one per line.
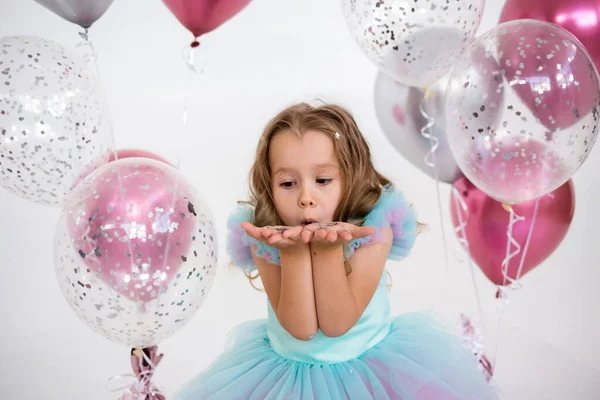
(306,199)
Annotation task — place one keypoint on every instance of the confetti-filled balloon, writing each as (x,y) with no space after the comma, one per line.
(416,42)
(135,251)
(54,127)
(399,114)
(580,17)
(549,116)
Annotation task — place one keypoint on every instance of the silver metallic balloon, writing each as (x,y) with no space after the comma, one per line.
(81,12)
(414,41)
(135,251)
(54,125)
(397,108)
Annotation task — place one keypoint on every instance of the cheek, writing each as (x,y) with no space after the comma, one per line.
(336,197)
(282,201)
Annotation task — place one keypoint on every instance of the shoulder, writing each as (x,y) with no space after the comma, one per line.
(392,216)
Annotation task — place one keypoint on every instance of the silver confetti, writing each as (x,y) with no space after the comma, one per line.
(141,288)
(539,139)
(54,127)
(415,42)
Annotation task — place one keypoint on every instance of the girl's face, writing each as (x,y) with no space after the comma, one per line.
(307,184)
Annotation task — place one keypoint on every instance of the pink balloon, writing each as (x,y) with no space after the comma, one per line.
(136,228)
(203,16)
(137,153)
(551,72)
(580,17)
(487,223)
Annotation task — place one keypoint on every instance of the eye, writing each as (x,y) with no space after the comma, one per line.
(287,185)
(323,181)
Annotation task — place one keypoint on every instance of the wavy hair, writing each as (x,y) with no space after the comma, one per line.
(362,183)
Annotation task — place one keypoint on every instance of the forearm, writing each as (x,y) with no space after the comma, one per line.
(296,308)
(337,310)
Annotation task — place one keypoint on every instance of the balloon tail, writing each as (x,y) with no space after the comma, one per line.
(85,34)
(143,363)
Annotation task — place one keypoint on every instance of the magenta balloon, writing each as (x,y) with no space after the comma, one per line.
(203,16)
(487,223)
(580,17)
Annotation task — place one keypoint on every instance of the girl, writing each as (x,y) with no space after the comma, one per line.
(320,226)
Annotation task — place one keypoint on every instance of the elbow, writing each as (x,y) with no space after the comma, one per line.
(301,333)
(335,331)
(304,332)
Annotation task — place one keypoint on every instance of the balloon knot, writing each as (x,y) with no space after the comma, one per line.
(195,44)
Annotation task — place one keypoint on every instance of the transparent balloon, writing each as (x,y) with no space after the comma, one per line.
(399,114)
(135,251)
(54,125)
(549,113)
(416,42)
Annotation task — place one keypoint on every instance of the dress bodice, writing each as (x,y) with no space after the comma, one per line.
(371,328)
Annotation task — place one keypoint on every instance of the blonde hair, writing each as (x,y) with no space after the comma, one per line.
(362,183)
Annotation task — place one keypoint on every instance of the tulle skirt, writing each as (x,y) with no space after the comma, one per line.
(418,360)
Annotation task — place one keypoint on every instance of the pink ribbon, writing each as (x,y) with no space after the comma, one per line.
(143,363)
(472,338)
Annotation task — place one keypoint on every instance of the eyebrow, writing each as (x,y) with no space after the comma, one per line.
(316,167)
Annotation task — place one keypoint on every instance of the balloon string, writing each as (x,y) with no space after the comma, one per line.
(188,55)
(511,241)
(141,386)
(430,160)
(90,56)
(461,207)
(528,240)
(514,284)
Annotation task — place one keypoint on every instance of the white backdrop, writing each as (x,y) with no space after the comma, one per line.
(273,53)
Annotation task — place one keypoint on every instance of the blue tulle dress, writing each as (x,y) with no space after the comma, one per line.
(407,357)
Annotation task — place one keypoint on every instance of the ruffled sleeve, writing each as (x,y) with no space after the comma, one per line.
(238,241)
(392,210)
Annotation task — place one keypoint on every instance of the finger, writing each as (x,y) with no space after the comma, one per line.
(320,234)
(362,231)
(293,232)
(267,231)
(307,235)
(275,239)
(251,230)
(312,227)
(347,236)
(332,236)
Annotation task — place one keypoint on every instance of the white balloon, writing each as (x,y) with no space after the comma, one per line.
(54,127)
(400,118)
